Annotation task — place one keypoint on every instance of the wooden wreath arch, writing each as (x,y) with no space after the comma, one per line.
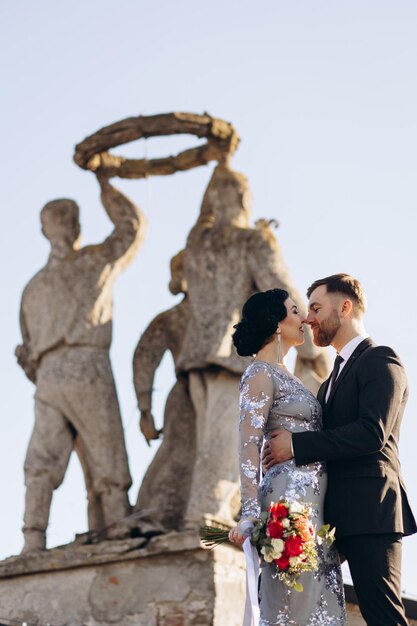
(93,153)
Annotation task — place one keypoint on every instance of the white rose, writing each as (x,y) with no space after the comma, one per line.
(295,507)
(278,545)
(276,554)
(267,554)
(285,522)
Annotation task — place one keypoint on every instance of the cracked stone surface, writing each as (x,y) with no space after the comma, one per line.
(167,581)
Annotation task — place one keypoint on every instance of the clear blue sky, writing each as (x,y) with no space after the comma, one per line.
(324,96)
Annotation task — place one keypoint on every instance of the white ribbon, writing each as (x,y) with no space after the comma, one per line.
(251,616)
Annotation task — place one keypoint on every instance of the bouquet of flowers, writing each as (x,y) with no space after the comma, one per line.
(285,537)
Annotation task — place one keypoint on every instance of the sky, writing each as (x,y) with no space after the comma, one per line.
(323,95)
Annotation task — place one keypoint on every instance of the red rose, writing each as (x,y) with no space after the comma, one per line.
(275,529)
(283,562)
(293,545)
(278,511)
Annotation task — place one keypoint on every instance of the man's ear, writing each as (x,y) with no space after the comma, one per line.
(346,308)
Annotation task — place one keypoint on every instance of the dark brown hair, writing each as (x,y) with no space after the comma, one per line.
(261,315)
(342,283)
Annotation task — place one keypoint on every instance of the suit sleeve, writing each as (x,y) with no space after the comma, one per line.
(382,385)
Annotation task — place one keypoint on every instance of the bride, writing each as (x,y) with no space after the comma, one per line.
(271,398)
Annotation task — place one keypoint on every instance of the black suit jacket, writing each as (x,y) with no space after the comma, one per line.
(359,442)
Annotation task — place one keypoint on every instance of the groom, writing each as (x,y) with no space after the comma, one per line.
(363,402)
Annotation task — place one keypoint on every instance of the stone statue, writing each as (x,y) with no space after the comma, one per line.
(312,371)
(165,487)
(225,262)
(66,323)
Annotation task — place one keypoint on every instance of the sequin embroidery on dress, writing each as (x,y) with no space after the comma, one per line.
(271,398)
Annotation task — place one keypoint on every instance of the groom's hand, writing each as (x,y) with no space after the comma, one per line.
(278,449)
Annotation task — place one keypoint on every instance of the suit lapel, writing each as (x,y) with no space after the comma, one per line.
(321,394)
(366,343)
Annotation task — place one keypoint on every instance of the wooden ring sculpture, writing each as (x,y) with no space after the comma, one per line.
(92,153)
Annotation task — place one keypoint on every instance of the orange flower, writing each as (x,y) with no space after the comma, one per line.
(304,528)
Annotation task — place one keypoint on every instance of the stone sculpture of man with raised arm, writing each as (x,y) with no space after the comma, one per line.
(66,323)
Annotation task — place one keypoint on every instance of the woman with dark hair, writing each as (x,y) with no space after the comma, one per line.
(272,398)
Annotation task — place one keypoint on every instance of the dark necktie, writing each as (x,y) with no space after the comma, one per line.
(336,367)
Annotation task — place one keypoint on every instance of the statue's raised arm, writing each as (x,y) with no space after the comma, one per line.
(129,223)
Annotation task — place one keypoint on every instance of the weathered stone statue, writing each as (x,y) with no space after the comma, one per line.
(166,485)
(225,262)
(66,323)
(312,371)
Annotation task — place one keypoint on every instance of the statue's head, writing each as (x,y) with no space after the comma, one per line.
(228,196)
(60,222)
(178,283)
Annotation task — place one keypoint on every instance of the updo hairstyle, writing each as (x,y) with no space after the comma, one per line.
(261,315)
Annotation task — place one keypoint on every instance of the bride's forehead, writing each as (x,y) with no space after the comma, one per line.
(289,303)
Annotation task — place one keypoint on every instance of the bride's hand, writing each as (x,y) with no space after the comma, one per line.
(239,533)
(236,537)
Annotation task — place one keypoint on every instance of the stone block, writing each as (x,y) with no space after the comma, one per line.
(168,581)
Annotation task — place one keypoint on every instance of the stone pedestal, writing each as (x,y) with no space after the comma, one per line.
(167,581)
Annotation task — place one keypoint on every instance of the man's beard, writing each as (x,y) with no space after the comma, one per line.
(327,330)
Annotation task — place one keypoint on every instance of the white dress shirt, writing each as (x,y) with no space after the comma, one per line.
(346,352)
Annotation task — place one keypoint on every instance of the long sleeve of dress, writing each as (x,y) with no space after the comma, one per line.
(256,399)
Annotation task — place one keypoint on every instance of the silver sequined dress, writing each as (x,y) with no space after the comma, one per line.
(272,398)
